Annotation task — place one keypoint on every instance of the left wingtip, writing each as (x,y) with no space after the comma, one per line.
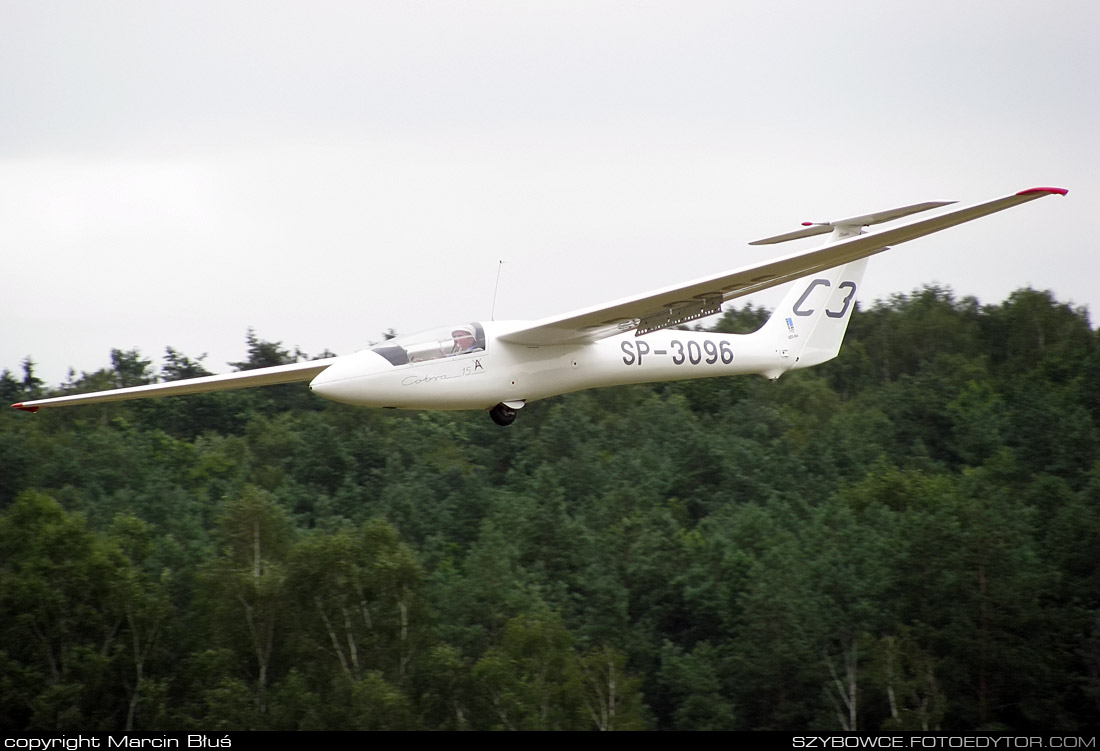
(24,408)
(1032,191)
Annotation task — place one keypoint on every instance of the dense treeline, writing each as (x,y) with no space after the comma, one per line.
(907,537)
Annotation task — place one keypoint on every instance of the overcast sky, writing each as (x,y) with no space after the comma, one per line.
(172,173)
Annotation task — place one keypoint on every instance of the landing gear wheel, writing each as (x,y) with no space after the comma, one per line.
(502,414)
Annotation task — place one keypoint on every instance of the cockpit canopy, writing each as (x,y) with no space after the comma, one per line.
(435,344)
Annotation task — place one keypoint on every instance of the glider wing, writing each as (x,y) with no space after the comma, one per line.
(299,371)
(702,297)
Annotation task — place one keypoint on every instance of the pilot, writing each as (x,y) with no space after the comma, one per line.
(464,340)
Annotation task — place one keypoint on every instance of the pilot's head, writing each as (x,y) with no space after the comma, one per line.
(464,339)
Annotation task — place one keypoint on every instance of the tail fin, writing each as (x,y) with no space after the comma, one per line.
(809,325)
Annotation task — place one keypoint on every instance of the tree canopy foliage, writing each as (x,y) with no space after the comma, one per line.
(907,537)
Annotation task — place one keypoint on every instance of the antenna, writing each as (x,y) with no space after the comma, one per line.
(493,313)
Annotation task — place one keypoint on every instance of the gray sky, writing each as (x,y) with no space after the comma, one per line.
(172,173)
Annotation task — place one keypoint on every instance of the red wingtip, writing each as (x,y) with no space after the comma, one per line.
(25,409)
(1029,191)
(807,224)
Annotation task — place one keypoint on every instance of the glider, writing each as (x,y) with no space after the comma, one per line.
(500,366)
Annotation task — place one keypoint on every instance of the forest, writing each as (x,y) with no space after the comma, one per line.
(905,538)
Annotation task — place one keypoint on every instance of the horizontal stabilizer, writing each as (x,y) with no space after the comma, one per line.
(820,228)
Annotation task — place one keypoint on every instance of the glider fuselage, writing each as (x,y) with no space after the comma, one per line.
(503,371)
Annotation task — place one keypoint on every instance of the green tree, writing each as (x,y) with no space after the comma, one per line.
(32,384)
(263,354)
(130,369)
(359,595)
(60,622)
(245,587)
(11,389)
(531,681)
(178,366)
(612,695)
(143,598)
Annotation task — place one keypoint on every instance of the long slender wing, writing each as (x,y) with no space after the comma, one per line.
(299,371)
(695,299)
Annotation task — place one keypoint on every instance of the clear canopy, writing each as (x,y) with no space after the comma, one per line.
(434,344)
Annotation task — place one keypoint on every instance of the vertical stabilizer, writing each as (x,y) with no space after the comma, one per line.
(808,326)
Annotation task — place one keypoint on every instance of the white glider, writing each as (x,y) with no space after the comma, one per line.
(501,365)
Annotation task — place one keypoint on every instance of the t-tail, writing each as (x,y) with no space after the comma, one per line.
(808,327)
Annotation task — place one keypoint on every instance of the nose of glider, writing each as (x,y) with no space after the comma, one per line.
(343,381)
